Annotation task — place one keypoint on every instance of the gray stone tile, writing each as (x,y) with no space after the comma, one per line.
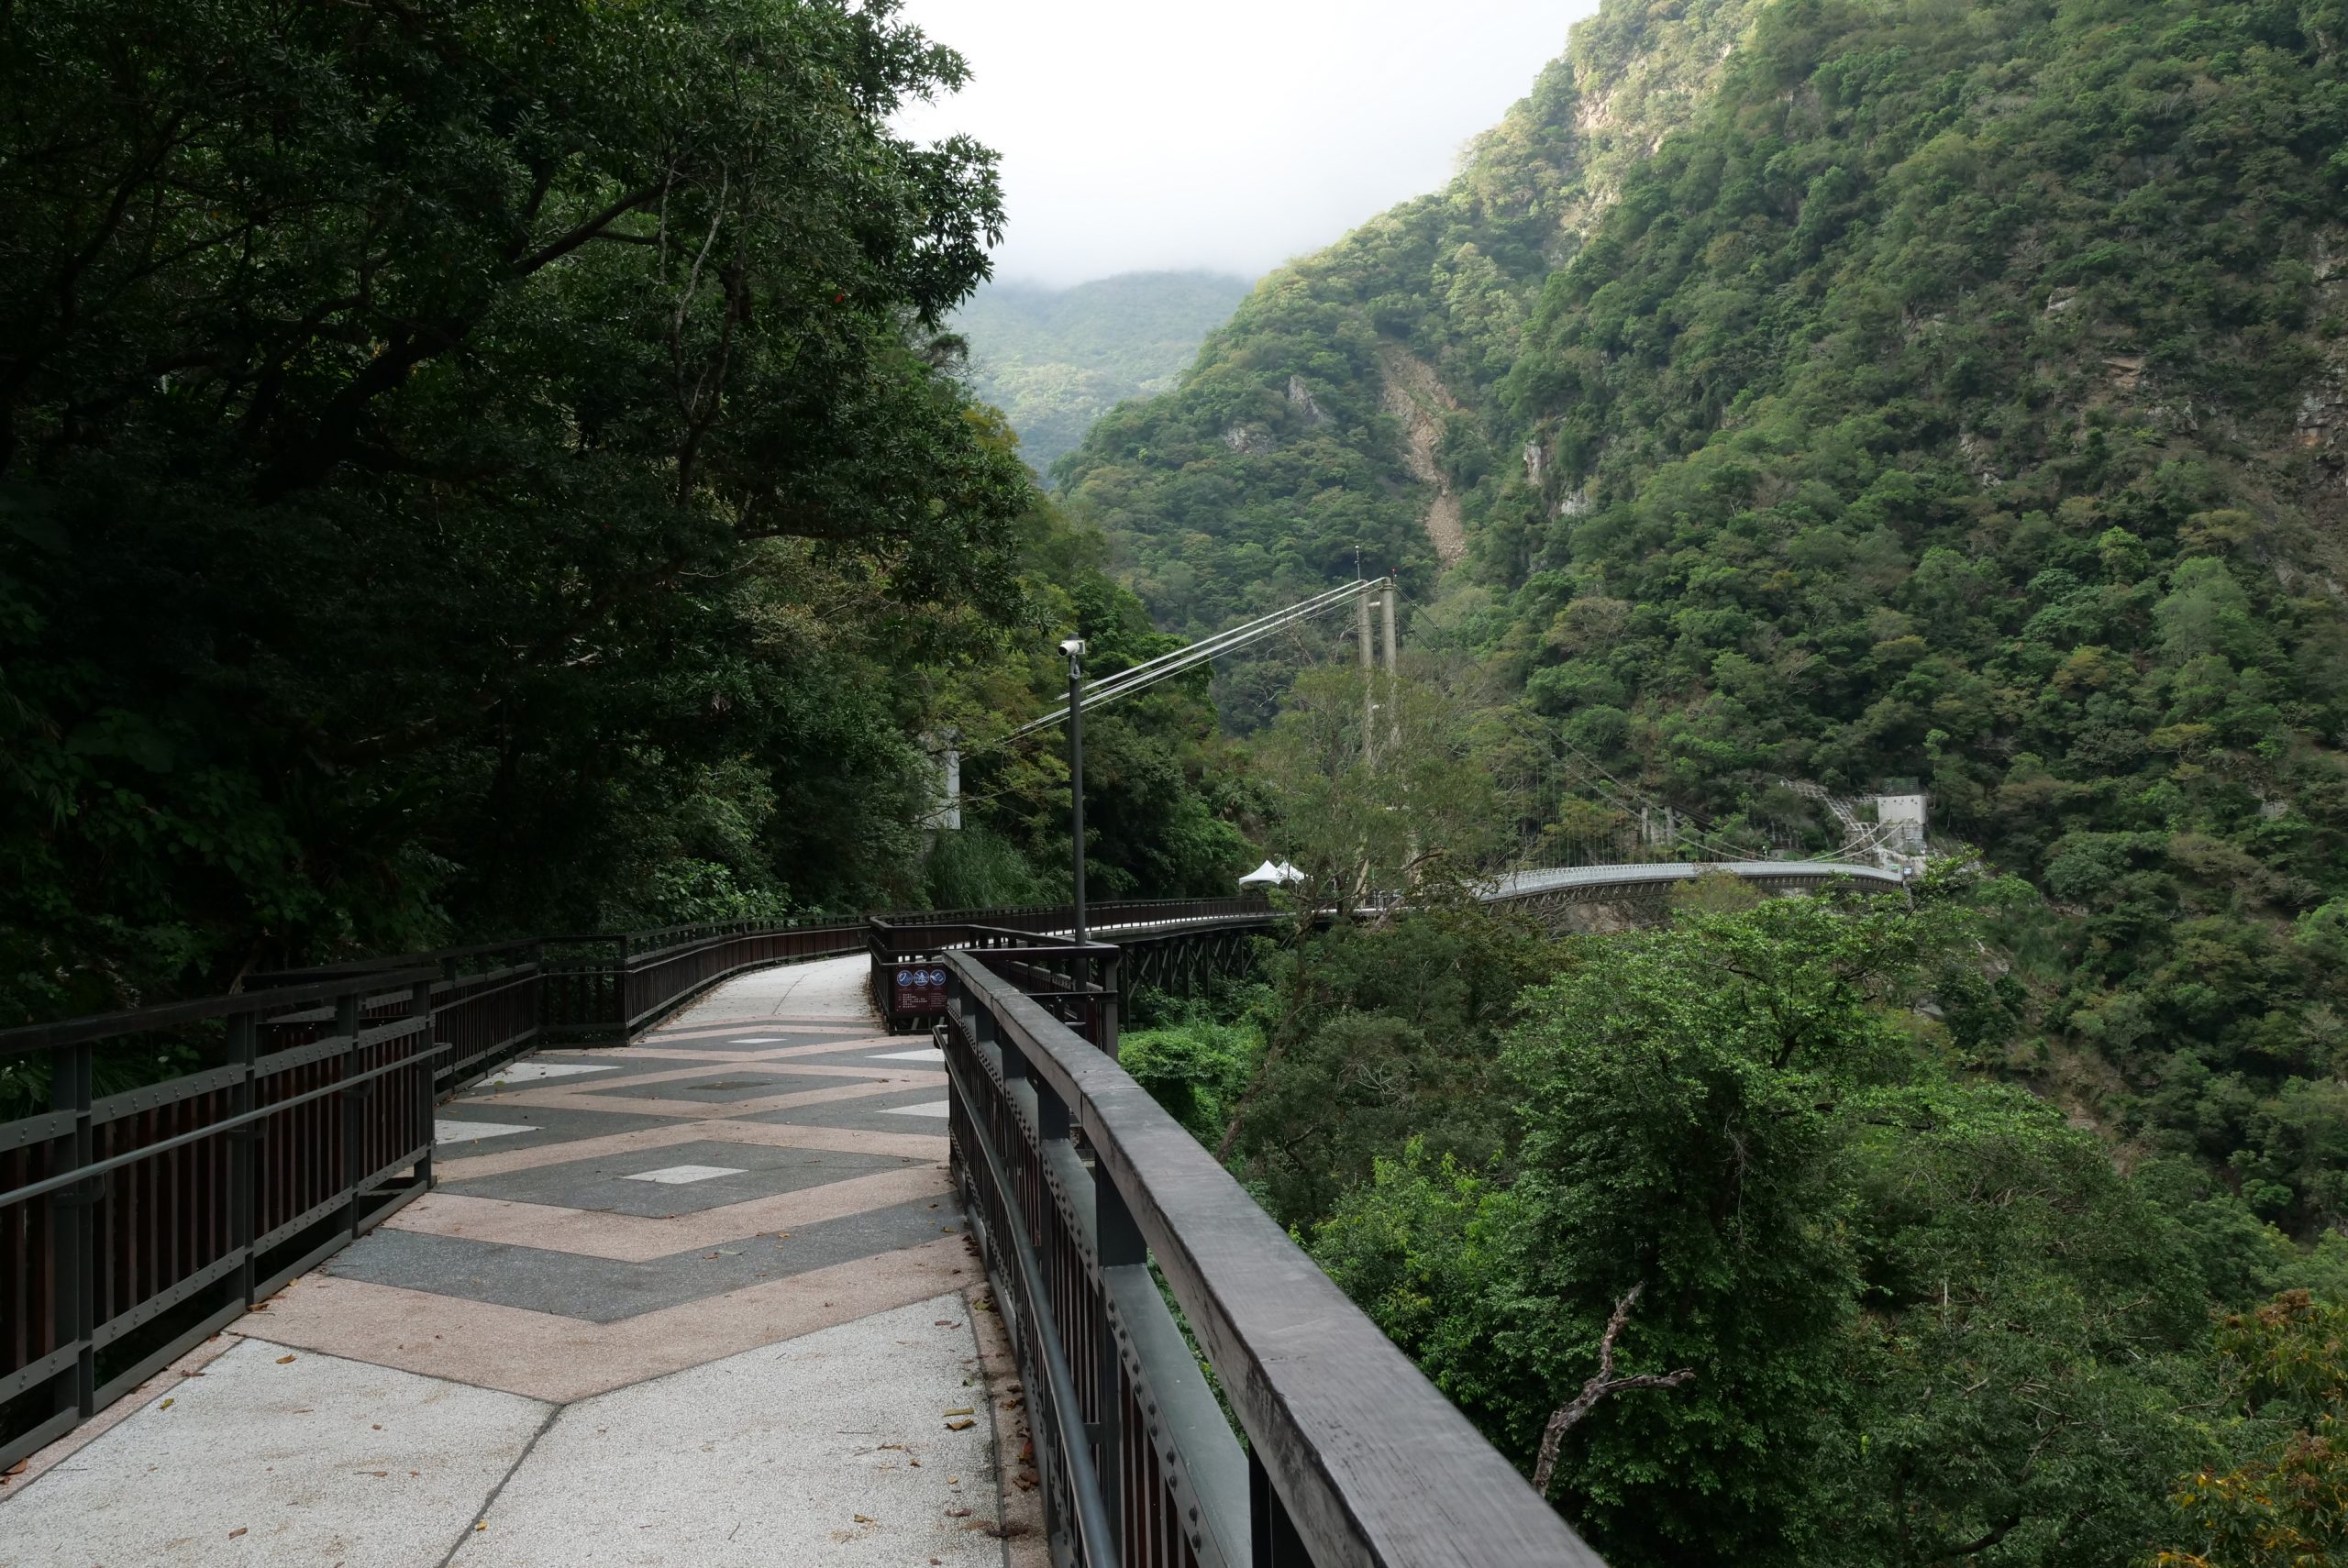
(601,1290)
(307,1459)
(748,1083)
(601,1184)
(547,1125)
(824,1451)
(872,1113)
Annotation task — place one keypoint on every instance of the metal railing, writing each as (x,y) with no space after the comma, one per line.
(1350,1456)
(485,1005)
(253,1135)
(607,989)
(1169,944)
(603,990)
(135,1222)
(1078,984)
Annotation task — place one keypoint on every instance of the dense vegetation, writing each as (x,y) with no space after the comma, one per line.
(1926,1320)
(478,467)
(1856,391)
(1835,390)
(1056,359)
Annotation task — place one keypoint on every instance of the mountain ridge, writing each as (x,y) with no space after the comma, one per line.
(1055,358)
(1851,390)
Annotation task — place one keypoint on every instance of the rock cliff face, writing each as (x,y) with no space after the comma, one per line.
(1418,401)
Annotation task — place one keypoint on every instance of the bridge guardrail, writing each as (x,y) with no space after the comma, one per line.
(485,1005)
(135,1222)
(1351,1458)
(1169,944)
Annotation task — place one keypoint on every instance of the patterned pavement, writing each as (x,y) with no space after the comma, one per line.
(705,1299)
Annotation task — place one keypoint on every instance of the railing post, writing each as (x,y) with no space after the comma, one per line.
(1119,1243)
(1043,1240)
(1109,997)
(244,1145)
(620,989)
(74,1225)
(428,1090)
(346,1023)
(1015,1060)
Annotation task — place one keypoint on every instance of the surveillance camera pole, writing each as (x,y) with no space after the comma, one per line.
(1075,772)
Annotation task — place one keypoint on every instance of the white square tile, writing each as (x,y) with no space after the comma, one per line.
(526,1072)
(926,1054)
(936,1107)
(680,1176)
(465,1132)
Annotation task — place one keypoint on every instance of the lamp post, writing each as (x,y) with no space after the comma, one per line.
(1074,648)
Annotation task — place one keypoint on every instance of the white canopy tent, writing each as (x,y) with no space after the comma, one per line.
(1271,874)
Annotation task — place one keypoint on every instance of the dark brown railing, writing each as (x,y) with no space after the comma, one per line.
(257,1133)
(485,1005)
(134,1223)
(1350,1456)
(1177,940)
(604,991)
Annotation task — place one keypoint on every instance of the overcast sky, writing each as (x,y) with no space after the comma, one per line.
(1227,134)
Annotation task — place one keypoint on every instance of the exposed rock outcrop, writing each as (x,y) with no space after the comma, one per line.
(1415,396)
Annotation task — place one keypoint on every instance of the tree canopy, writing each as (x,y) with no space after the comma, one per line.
(480,467)
(1860,391)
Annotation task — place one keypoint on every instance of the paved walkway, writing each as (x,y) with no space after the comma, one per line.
(700,1302)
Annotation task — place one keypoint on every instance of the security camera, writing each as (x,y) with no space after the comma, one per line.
(1073,647)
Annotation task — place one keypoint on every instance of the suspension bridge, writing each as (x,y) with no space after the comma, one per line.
(845,1242)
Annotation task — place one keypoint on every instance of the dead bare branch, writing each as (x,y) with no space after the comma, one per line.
(1600,1385)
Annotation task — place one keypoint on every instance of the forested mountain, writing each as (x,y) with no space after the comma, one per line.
(1848,390)
(485,468)
(1834,392)
(1056,359)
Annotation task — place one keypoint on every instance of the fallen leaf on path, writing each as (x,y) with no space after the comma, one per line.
(962,1426)
(964,1410)
(284,1359)
(236,1532)
(166,1404)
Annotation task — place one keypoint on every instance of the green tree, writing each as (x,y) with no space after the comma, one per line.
(1927,1323)
(2284,1505)
(470,468)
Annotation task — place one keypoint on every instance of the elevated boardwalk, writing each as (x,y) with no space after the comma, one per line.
(706,1299)
(683,1273)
